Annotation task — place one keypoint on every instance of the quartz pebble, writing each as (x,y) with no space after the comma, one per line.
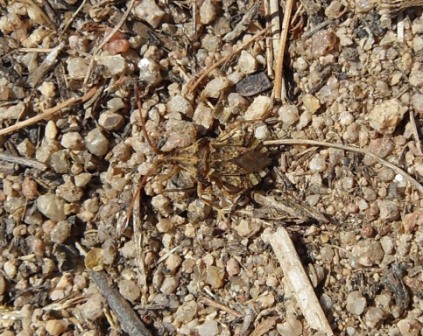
(259,109)
(148,11)
(368,252)
(51,206)
(208,328)
(111,121)
(77,67)
(288,114)
(96,142)
(216,87)
(113,65)
(169,285)
(129,290)
(72,140)
(356,303)
(385,117)
(207,12)
(149,71)
(318,163)
(247,64)
(179,104)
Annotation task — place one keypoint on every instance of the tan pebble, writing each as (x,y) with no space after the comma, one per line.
(57,327)
(323,42)
(51,206)
(385,117)
(179,104)
(60,232)
(113,65)
(77,67)
(207,12)
(164,225)
(10,269)
(26,148)
(259,109)
(247,63)
(311,103)
(173,262)
(169,285)
(233,267)
(215,276)
(3,285)
(29,188)
(82,179)
(289,115)
(129,290)
(149,11)
(72,140)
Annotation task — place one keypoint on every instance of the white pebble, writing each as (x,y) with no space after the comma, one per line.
(356,303)
(317,163)
(113,65)
(96,142)
(289,115)
(247,64)
(77,67)
(149,71)
(179,104)
(72,140)
(259,109)
(215,87)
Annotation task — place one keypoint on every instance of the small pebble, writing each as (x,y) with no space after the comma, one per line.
(374,317)
(10,269)
(96,142)
(203,115)
(60,162)
(111,121)
(247,64)
(26,148)
(215,276)
(179,104)
(113,65)
(288,114)
(317,163)
(186,312)
(82,179)
(93,308)
(389,210)
(368,252)
(216,87)
(56,327)
(311,103)
(51,206)
(148,11)
(77,67)
(60,232)
(208,328)
(259,109)
(416,76)
(356,303)
(129,290)
(3,285)
(207,12)
(323,42)
(232,267)
(169,285)
(149,71)
(386,116)
(173,262)
(165,225)
(72,140)
(29,188)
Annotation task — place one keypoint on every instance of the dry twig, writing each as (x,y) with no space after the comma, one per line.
(48,113)
(129,320)
(23,161)
(281,49)
(303,291)
(304,142)
(220,306)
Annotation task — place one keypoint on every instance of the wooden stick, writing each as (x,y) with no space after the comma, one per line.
(48,113)
(23,161)
(129,320)
(281,49)
(294,272)
(396,169)
(220,306)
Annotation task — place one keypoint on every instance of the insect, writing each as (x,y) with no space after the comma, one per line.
(232,163)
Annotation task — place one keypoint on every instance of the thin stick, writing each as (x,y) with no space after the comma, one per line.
(294,272)
(220,306)
(396,169)
(129,320)
(74,15)
(193,85)
(48,113)
(281,49)
(23,161)
(269,45)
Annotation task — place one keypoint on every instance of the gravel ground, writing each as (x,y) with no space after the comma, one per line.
(146,159)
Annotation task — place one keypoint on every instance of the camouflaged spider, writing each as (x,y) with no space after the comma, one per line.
(234,162)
